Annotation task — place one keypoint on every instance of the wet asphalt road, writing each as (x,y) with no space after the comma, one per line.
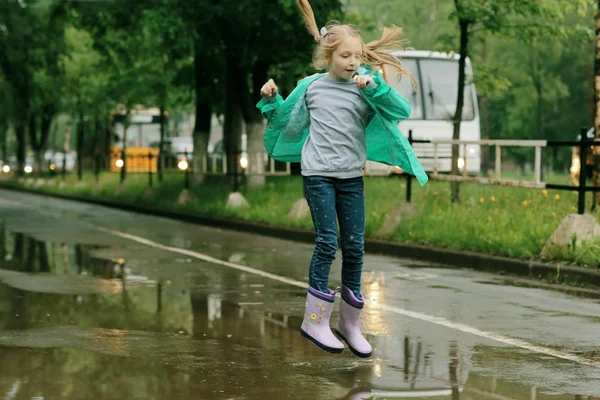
(102,304)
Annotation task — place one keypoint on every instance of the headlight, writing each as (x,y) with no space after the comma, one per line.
(575,165)
(244,162)
(28,169)
(461,162)
(119,163)
(183,165)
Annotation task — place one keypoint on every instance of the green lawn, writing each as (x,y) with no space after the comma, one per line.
(505,221)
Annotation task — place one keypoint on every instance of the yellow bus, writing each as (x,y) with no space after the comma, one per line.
(141,136)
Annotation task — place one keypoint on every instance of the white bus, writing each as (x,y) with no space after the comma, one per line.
(433,105)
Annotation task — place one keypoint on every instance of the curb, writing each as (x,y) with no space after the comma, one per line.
(444,257)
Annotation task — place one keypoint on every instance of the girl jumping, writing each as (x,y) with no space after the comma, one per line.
(332,123)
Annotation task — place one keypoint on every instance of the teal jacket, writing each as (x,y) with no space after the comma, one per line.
(289,121)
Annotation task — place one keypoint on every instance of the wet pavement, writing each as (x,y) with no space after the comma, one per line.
(102,304)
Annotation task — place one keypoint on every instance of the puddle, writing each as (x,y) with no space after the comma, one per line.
(83,321)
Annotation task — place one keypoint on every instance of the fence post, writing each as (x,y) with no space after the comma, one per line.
(150,169)
(97,168)
(498,165)
(582,172)
(235,170)
(124,160)
(160,166)
(64,166)
(409,176)
(187,176)
(538,164)
(79,166)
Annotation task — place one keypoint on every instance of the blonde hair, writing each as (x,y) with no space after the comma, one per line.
(376,54)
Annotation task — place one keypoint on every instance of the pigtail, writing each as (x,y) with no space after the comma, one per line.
(378,52)
(309,17)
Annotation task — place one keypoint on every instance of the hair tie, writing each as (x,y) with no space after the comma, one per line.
(322,35)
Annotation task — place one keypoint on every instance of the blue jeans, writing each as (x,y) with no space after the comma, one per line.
(344,198)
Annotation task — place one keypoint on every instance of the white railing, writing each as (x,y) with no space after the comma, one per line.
(497,179)
(217,164)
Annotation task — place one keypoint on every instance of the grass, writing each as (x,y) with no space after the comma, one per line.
(504,221)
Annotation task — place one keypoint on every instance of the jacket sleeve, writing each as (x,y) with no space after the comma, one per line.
(268,105)
(388,102)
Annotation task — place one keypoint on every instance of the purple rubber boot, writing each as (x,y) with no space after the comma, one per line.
(348,326)
(315,326)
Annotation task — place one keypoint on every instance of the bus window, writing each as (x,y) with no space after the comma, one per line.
(440,82)
(406,88)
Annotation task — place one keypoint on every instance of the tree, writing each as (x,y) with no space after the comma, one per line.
(596,176)
(5,112)
(524,20)
(188,56)
(252,52)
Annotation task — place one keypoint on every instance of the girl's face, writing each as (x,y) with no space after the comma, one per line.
(346,58)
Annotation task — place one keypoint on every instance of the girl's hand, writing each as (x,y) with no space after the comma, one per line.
(269,89)
(362,81)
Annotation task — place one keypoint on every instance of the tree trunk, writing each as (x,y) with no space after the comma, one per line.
(485,118)
(161,144)
(4,144)
(255,128)
(66,146)
(203,111)
(126,124)
(596,174)
(432,18)
(256,154)
(98,136)
(22,129)
(80,135)
(35,144)
(536,77)
(45,128)
(39,143)
(232,129)
(485,133)
(108,137)
(201,138)
(464,51)
(97,145)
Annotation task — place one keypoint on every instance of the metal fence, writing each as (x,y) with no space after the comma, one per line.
(583,144)
(155,165)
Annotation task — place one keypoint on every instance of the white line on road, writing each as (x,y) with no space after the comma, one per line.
(397,310)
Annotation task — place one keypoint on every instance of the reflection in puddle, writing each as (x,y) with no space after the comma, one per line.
(78,326)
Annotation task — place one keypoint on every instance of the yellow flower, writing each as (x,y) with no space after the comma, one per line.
(525,202)
(557,196)
(545,192)
(493,198)
(490,219)
(436,193)
(481,200)
(313,316)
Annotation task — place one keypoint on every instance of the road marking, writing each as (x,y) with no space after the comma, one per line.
(397,310)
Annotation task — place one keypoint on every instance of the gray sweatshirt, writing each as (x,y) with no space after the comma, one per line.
(339,115)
